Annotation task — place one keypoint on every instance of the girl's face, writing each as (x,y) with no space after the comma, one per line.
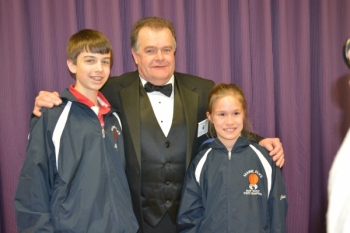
(227,116)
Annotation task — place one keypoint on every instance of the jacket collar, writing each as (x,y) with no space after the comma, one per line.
(240,144)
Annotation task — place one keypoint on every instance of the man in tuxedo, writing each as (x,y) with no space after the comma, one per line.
(164,123)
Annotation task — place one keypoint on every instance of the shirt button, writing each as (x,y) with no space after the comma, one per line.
(167,144)
(167,202)
(167,183)
(168,164)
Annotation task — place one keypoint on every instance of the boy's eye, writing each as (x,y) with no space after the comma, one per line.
(106,62)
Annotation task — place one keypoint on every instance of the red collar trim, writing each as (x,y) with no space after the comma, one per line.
(104,105)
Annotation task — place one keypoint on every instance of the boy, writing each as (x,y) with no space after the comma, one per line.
(73,178)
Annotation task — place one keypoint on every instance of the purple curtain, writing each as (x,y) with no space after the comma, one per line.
(286,56)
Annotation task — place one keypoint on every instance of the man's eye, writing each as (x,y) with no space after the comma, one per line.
(167,50)
(150,51)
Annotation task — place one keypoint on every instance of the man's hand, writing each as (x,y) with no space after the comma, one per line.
(46,99)
(274,145)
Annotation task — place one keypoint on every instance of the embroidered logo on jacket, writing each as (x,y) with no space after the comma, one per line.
(253,177)
(115,135)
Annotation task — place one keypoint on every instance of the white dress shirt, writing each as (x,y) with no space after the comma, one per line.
(338,215)
(163,106)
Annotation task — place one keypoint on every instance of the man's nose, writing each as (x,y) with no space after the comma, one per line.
(160,55)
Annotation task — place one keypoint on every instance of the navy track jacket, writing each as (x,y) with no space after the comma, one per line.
(73,178)
(242,191)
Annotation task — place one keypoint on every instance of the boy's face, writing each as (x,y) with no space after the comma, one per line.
(91,71)
(227,116)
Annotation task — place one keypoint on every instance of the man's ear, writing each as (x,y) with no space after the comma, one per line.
(134,55)
(71,66)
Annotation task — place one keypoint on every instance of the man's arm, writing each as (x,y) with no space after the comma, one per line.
(46,99)
(274,146)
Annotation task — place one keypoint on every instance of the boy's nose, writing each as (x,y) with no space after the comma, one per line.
(98,66)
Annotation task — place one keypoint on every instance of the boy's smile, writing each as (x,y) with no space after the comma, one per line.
(91,71)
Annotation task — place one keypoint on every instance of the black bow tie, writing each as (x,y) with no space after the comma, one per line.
(166,89)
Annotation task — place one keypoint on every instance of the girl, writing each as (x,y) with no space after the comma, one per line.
(233,185)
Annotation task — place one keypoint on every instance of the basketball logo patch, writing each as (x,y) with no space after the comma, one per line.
(253,180)
(253,177)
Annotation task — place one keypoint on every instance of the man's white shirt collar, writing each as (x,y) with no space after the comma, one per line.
(163,106)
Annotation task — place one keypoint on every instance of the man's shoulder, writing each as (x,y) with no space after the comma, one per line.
(192,78)
(115,83)
(123,78)
(194,82)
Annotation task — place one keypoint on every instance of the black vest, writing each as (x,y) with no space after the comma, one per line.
(163,161)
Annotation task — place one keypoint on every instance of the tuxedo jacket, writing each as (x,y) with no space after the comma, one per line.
(123,93)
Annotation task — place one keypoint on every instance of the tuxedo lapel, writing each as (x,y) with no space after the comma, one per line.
(130,98)
(189,101)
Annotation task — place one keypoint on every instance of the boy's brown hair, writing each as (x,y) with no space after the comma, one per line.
(88,40)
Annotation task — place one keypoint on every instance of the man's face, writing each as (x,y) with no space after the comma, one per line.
(155,55)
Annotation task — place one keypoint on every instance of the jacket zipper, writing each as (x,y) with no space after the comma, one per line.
(108,168)
(103,133)
(109,174)
(228,193)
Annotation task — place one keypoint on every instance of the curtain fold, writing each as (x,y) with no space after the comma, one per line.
(285,55)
